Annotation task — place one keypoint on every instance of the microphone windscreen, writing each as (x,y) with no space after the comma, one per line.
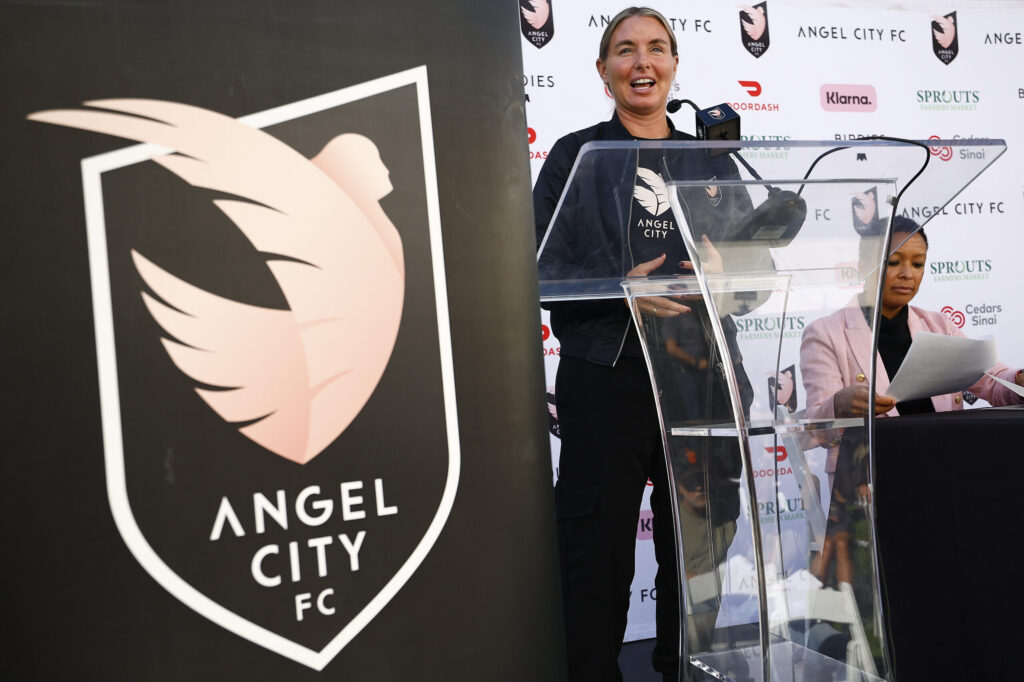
(718,123)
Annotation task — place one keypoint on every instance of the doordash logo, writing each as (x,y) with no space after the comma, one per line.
(753,88)
(848,97)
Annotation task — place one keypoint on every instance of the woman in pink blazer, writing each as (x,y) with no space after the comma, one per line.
(835,363)
(834,352)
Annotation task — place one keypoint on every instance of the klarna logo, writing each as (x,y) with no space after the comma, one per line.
(836,97)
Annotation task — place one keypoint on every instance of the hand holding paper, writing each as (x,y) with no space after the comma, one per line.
(1009,384)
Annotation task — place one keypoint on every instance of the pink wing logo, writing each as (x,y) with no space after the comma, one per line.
(298,377)
(753,21)
(944,31)
(538,16)
(865,207)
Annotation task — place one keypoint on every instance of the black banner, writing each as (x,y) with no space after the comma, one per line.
(271,417)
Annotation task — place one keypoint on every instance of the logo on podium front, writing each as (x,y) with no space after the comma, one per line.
(280,435)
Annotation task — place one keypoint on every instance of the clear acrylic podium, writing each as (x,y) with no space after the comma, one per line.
(772,488)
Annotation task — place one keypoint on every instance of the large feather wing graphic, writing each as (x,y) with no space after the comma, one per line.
(298,376)
(654,199)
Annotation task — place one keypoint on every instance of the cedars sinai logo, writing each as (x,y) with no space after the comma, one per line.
(247,381)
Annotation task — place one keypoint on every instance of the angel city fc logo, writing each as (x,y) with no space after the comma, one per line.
(650,191)
(945,42)
(249,288)
(536,21)
(714,193)
(754,28)
(864,206)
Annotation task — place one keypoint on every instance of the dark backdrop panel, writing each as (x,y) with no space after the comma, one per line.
(484,604)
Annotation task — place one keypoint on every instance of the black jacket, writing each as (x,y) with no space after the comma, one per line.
(592,230)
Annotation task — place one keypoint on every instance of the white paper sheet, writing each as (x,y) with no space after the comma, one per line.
(1009,384)
(937,364)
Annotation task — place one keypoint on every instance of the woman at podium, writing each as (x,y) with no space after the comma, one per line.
(610,432)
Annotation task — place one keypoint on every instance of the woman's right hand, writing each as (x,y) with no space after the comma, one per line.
(852,401)
(661,306)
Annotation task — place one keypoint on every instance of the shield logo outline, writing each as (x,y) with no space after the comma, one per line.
(939,25)
(538,36)
(93,169)
(759,45)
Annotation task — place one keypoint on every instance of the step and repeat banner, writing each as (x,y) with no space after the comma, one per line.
(821,71)
(272,398)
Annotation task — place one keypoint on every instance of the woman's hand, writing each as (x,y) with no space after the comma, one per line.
(712,260)
(658,305)
(852,401)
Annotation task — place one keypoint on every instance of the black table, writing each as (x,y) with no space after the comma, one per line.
(948,493)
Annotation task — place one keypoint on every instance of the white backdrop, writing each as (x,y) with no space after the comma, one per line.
(876,49)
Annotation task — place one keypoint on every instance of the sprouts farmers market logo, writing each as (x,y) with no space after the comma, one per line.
(948,100)
(772,152)
(252,463)
(960,270)
(768,327)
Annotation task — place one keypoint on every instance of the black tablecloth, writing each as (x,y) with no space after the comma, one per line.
(949,489)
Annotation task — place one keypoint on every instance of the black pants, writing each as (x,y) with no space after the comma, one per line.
(611,445)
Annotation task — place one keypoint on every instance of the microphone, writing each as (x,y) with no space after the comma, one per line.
(715,123)
(718,123)
(674,105)
(776,220)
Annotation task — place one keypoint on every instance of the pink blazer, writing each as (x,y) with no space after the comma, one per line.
(835,349)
